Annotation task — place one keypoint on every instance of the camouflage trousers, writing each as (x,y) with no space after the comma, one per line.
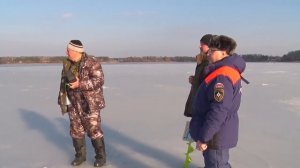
(81,122)
(83,119)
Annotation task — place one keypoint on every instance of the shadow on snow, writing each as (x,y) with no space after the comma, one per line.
(113,139)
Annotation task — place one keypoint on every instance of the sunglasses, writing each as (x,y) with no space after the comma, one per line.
(211,50)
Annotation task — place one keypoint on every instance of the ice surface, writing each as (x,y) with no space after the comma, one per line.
(143,121)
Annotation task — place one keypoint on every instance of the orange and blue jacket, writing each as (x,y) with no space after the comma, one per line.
(215,107)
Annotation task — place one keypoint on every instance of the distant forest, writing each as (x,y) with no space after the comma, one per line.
(293,56)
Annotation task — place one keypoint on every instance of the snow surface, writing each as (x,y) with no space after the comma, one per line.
(143,121)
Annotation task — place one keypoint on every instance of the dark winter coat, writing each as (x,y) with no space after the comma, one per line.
(198,79)
(215,119)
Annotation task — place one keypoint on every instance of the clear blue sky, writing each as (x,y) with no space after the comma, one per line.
(121,28)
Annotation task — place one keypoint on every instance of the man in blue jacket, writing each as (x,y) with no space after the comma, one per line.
(214,124)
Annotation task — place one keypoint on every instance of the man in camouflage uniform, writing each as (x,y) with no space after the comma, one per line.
(81,96)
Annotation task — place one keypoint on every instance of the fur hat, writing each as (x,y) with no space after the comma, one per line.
(206,39)
(76,45)
(223,43)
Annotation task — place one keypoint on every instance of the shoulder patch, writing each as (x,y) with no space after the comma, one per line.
(219,92)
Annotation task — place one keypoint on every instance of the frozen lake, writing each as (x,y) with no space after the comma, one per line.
(143,121)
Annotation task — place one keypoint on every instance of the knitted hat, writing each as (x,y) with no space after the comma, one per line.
(206,39)
(223,43)
(76,45)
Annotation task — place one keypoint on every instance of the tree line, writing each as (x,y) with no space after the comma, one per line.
(59,59)
(293,56)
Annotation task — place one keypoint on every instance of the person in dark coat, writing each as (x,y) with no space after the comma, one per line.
(214,124)
(197,79)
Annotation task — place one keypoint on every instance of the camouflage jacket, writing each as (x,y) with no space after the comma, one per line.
(91,80)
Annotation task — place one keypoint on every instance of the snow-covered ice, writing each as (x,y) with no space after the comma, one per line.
(143,121)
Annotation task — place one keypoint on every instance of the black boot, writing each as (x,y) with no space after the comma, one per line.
(80,156)
(100,157)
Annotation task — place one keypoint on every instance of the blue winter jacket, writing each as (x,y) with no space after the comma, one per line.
(214,116)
